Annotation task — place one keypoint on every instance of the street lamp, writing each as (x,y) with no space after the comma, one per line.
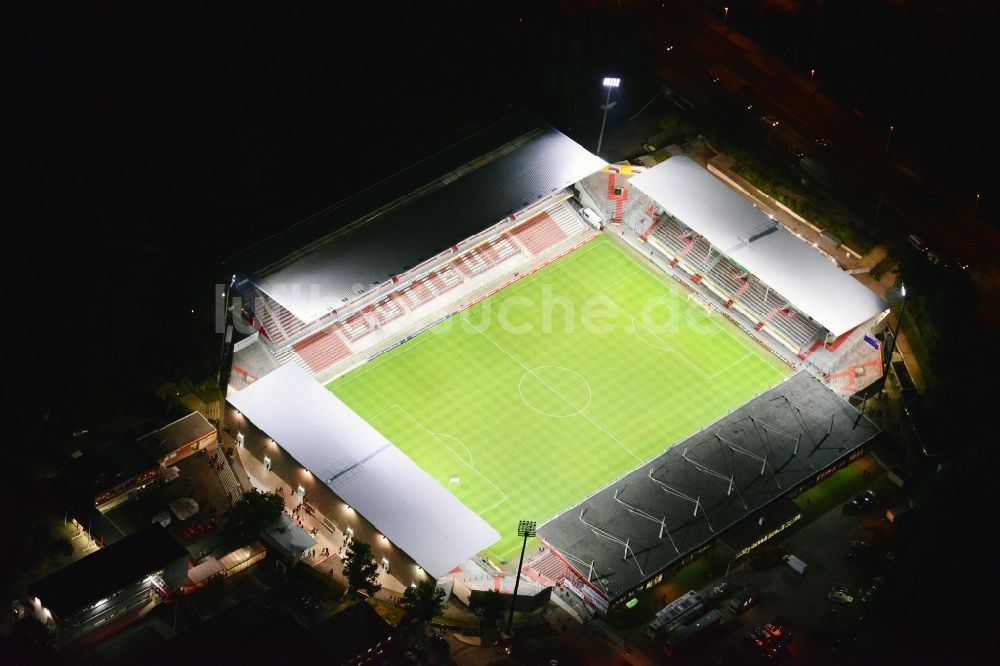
(812,73)
(525,528)
(725,15)
(894,333)
(609,83)
(892,128)
(770,129)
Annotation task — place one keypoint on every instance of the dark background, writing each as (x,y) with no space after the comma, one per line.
(152,141)
(149,142)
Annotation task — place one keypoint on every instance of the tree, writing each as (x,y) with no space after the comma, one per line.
(423,603)
(360,568)
(252,513)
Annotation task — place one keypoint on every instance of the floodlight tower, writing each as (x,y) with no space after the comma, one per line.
(609,83)
(525,529)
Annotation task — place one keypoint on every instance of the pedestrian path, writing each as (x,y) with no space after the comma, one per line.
(331,543)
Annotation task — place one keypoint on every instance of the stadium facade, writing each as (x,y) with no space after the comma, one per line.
(374,271)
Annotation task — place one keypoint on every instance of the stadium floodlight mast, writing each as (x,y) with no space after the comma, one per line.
(610,82)
(525,529)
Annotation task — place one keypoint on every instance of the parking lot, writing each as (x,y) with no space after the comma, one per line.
(800,604)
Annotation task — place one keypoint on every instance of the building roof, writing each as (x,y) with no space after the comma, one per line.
(288,537)
(707,483)
(413,510)
(351,633)
(110,466)
(346,250)
(108,570)
(760,523)
(754,240)
(181,432)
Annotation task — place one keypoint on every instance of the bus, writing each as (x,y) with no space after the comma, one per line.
(681,609)
(692,633)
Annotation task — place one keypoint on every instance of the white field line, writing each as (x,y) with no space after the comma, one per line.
(566,400)
(434,435)
(730,366)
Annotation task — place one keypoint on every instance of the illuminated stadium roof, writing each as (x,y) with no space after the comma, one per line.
(707,483)
(751,238)
(364,469)
(333,257)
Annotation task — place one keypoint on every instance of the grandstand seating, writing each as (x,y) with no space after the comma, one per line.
(750,292)
(567,219)
(539,233)
(550,568)
(386,310)
(322,349)
(279,324)
(486,255)
(355,326)
(415,294)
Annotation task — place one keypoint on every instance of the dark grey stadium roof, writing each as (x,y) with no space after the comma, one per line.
(334,256)
(108,570)
(687,486)
(171,437)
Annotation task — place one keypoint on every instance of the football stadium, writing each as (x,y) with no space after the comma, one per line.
(645,362)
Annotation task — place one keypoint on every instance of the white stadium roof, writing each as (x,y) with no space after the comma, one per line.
(743,232)
(364,469)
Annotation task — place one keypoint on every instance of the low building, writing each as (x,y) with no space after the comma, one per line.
(178,440)
(121,469)
(113,585)
(288,539)
(761,526)
(356,635)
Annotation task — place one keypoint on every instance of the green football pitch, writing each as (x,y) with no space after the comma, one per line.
(538,396)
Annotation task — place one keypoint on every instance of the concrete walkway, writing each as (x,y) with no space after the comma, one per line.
(327,535)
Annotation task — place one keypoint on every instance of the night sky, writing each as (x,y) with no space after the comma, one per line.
(154,141)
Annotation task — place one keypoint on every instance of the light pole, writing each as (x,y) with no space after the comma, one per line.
(609,83)
(725,15)
(899,322)
(892,128)
(770,130)
(525,528)
(812,73)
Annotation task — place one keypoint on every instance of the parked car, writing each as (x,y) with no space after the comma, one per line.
(863,501)
(796,152)
(823,143)
(839,597)
(917,242)
(742,602)
(719,591)
(936,259)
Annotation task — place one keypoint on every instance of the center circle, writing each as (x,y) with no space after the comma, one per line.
(552,390)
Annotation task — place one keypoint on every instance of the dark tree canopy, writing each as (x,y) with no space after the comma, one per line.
(424,602)
(252,513)
(360,568)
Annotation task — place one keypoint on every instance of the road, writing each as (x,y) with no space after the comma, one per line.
(858,156)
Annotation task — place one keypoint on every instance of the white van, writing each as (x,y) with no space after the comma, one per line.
(592,218)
